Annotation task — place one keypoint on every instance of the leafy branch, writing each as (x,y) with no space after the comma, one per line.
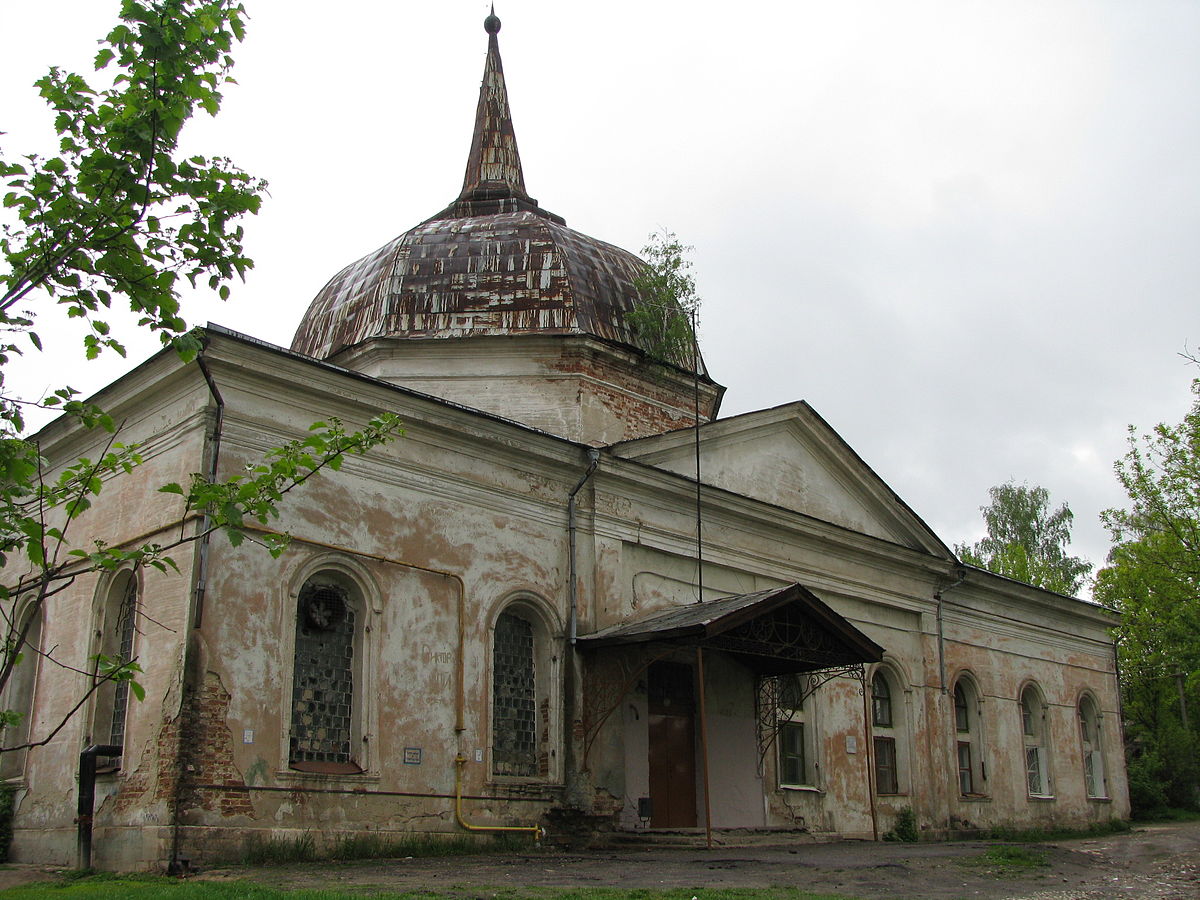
(664,317)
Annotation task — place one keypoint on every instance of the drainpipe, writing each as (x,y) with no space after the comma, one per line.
(177,865)
(211,474)
(961,572)
(572,589)
(87,798)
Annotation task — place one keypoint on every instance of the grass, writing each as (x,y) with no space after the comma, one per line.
(260,851)
(1037,835)
(1015,857)
(109,887)
(1007,860)
(1168,815)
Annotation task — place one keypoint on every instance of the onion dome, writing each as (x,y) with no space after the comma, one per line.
(492,263)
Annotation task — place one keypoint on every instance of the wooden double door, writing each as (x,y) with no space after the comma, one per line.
(671,721)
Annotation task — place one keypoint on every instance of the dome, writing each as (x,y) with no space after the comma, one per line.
(461,274)
(493,263)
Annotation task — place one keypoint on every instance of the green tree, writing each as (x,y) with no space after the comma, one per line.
(665,316)
(118,214)
(1026,540)
(1153,577)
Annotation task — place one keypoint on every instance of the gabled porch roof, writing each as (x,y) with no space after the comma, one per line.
(772,632)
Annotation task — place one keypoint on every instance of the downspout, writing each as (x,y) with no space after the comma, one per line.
(86,803)
(571,678)
(200,584)
(961,572)
(211,475)
(572,588)
(941,633)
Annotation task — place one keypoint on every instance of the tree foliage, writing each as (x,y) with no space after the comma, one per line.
(118,215)
(1026,540)
(1153,577)
(664,318)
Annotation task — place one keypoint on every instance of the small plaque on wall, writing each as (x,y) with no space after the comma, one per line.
(412,756)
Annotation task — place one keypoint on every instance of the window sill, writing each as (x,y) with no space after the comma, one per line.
(1041,798)
(975,798)
(1099,799)
(294,776)
(517,784)
(805,788)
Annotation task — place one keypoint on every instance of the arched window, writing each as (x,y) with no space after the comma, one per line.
(18,694)
(324,733)
(885,730)
(514,698)
(1094,778)
(524,721)
(115,635)
(1033,728)
(972,775)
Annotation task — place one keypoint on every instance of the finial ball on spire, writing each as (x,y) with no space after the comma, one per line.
(492,23)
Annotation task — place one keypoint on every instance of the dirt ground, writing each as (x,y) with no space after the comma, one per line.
(1158,862)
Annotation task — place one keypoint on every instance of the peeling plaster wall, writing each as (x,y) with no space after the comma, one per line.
(445,526)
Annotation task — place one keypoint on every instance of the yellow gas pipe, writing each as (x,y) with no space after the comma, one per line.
(459,761)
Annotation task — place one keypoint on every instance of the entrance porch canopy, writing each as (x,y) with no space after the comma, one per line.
(772,632)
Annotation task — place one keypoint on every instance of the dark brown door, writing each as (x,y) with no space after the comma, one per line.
(672,725)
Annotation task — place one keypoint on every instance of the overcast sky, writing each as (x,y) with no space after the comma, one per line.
(965,232)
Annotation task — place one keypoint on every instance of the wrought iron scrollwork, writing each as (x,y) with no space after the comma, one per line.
(778,694)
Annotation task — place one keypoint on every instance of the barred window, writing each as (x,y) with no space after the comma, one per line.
(123,634)
(514,698)
(323,682)
(1094,779)
(1033,726)
(115,636)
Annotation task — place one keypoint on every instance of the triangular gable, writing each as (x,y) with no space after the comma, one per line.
(788,456)
(774,631)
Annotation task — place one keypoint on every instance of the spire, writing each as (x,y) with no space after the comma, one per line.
(494,166)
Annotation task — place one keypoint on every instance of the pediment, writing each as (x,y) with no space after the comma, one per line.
(788,456)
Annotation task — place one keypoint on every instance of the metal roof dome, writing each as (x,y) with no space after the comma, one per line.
(491,263)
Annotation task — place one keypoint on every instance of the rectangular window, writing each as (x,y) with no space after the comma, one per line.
(1089,773)
(793,769)
(966,782)
(886,781)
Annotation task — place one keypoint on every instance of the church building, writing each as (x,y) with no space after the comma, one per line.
(570,597)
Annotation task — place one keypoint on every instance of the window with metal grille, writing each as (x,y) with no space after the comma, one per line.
(1033,726)
(514,698)
(322,723)
(122,634)
(1093,756)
